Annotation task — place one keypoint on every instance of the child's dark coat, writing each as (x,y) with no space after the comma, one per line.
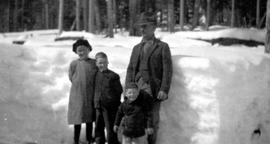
(136,115)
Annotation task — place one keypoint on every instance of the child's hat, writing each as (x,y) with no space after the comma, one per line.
(81,42)
(131,85)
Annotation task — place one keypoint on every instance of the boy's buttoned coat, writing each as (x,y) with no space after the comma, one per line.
(159,64)
(108,89)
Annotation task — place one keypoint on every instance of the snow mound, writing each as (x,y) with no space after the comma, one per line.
(26,114)
(217,101)
(76,34)
(219,95)
(246,34)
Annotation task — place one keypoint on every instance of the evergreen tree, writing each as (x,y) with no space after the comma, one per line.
(110,18)
(46,14)
(258,14)
(208,14)
(134,7)
(233,14)
(171,21)
(267,37)
(97,16)
(78,21)
(182,3)
(91,19)
(61,16)
(196,14)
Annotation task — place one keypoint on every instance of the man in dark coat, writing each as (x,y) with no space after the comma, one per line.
(150,67)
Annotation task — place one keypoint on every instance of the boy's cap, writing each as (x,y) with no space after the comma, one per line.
(147,18)
(81,42)
(131,85)
(101,55)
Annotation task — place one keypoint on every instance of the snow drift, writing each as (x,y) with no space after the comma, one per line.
(217,101)
(219,95)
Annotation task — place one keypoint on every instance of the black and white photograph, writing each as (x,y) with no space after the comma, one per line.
(134,71)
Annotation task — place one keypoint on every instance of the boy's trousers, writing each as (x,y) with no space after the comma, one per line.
(105,118)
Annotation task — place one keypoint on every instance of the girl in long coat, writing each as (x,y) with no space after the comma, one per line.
(81,74)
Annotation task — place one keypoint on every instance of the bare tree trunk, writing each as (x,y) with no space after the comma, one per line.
(133,15)
(97,16)
(85,14)
(196,13)
(8,16)
(258,14)
(114,15)
(262,20)
(61,16)
(3,16)
(267,26)
(208,14)
(22,15)
(233,14)
(91,19)
(182,3)
(110,18)
(15,16)
(171,22)
(46,14)
(78,4)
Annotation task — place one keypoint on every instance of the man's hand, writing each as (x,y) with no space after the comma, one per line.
(162,95)
(149,131)
(115,128)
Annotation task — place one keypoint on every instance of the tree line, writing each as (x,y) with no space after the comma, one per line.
(110,16)
(100,15)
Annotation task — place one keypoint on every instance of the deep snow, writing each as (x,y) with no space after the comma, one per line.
(219,94)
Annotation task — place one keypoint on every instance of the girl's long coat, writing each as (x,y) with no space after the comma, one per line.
(80,107)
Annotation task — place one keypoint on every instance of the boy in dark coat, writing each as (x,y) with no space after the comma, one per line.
(150,67)
(82,74)
(108,91)
(136,114)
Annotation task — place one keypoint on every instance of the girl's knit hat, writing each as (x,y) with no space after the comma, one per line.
(81,42)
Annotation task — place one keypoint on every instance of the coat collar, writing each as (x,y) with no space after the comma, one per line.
(151,49)
(151,39)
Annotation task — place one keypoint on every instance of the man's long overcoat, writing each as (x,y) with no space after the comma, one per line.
(159,65)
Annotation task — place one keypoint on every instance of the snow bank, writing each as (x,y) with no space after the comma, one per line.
(219,95)
(245,34)
(25,109)
(217,101)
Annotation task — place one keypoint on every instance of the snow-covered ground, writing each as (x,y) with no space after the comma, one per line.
(219,94)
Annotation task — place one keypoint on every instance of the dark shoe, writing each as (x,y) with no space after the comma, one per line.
(92,140)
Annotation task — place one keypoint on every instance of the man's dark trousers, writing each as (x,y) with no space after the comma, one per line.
(156,117)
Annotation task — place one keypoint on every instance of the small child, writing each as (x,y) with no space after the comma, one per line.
(108,90)
(136,114)
(81,74)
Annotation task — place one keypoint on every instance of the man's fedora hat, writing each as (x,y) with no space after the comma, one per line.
(147,18)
